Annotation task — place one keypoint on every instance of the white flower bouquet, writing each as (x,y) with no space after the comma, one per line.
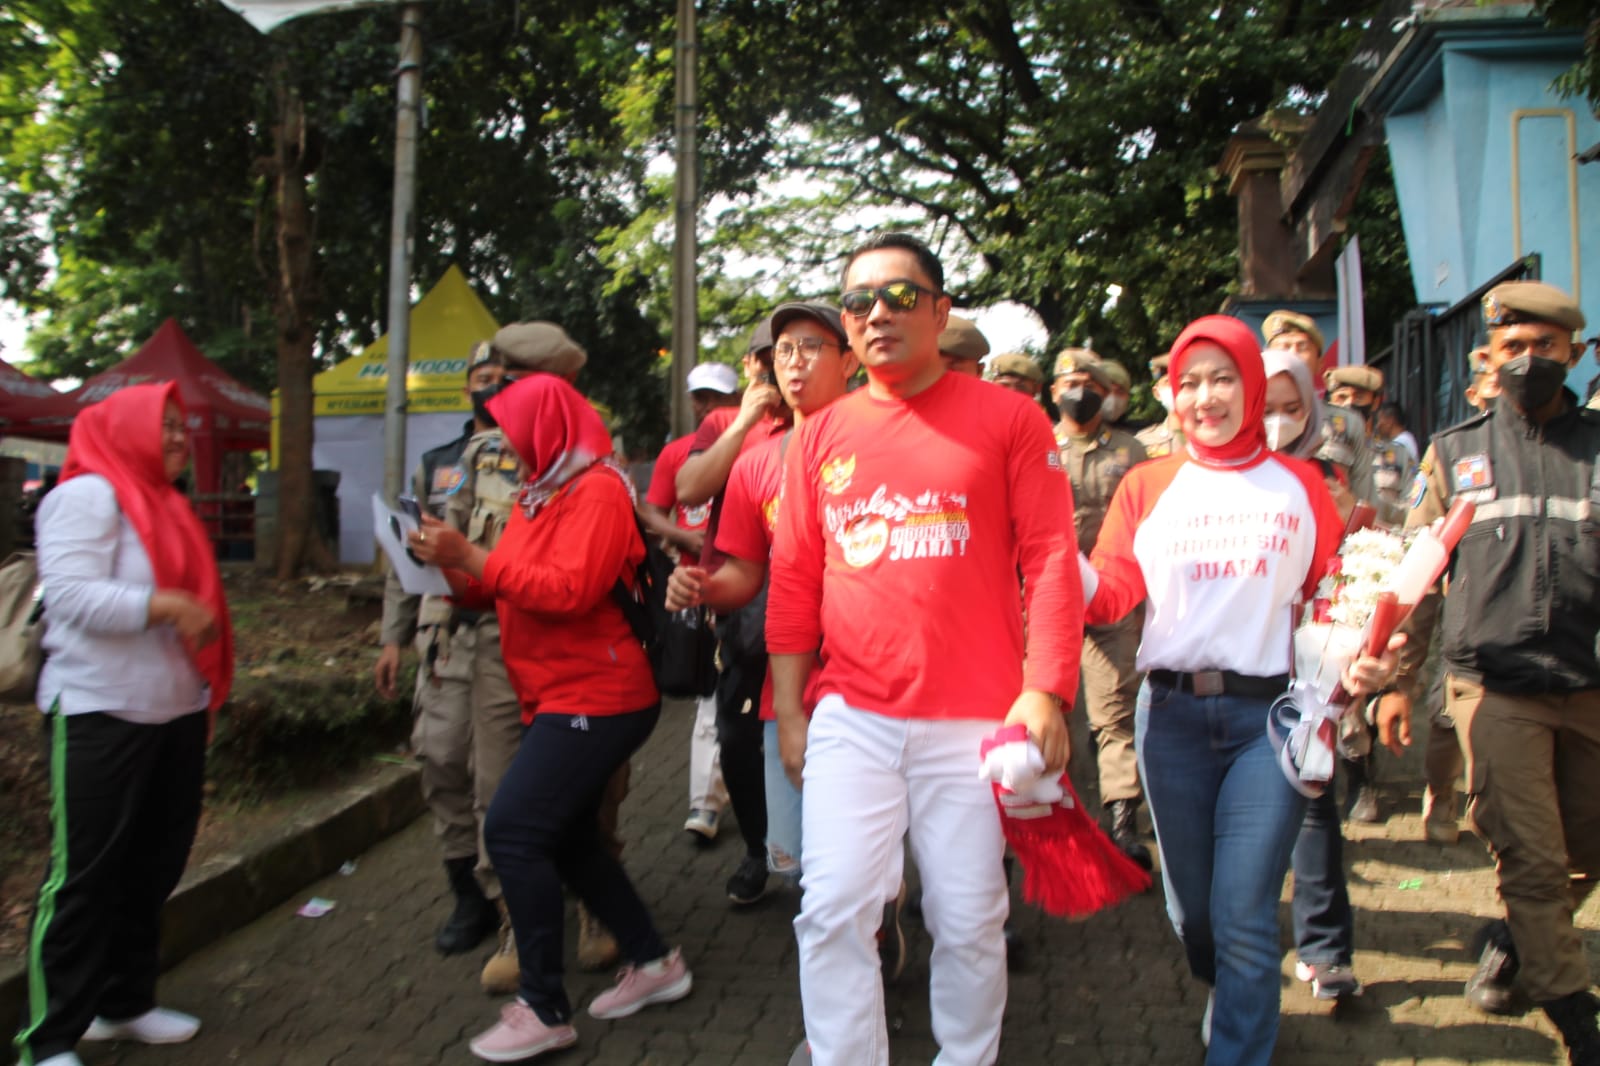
(1369,588)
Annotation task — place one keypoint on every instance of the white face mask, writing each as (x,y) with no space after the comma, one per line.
(1164,395)
(1283,430)
(1115,407)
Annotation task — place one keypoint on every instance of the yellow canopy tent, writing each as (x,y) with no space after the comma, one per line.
(349,401)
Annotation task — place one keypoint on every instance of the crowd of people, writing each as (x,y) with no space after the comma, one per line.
(1148,577)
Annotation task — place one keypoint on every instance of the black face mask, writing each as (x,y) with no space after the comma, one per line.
(480,402)
(1531,382)
(1079,404)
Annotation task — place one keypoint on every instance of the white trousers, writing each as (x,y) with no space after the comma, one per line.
(706,790)
(868,779)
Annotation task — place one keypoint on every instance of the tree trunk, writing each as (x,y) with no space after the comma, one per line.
(294,305)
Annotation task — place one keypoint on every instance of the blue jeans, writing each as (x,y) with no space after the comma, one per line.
(783,802)
(1226,821)
(1324,925)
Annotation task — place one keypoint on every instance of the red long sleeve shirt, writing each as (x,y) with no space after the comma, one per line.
(568,649)
(904,527)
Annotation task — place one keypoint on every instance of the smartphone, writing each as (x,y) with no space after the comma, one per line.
(409,505)
(765,378)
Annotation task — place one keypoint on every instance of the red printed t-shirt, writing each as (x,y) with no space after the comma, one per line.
(664,488)
(899,543)
(750,506)
(567,647)
(1220,556)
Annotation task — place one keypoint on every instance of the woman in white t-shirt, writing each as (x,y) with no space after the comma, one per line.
(1220,541)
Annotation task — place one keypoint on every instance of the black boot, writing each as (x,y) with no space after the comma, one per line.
(1125,831)
(1489,989)
(474,916)
(1575,1016)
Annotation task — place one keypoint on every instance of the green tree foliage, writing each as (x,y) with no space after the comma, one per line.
(1051,149)
(1584,77)
(135,162)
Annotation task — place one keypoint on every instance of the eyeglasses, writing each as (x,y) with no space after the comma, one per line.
(801,352)
(173,429)
(896,296)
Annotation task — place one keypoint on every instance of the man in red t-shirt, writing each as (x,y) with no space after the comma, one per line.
(910,509)
(721,438)
(712,386)
(814,365)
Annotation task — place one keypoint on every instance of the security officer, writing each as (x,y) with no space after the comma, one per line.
(1166,436)
(442,735)
(1360,389)
(1121,394)
(1096,456)
(1520,620)
(1017,372)
(962,347)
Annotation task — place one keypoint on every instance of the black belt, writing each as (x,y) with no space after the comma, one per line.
(1223,682)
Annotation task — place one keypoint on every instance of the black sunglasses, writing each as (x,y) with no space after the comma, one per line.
(896,296)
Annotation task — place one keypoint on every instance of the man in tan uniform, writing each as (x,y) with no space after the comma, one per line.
(1096,456)
(448,648)
(1166,436)
(962,347)
(1519,621)
(1018,372)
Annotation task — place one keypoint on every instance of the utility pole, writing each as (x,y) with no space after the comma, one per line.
(685,251)
(408,105)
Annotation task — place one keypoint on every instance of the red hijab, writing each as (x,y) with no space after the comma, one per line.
(119,438)
(553,430)
(1239,342)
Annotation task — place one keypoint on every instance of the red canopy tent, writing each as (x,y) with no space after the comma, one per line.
(30,408)
(224,415)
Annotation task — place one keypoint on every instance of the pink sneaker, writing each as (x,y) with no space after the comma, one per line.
(663,981)
(521,1035)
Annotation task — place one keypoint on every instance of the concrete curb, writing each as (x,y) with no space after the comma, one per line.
(230,891)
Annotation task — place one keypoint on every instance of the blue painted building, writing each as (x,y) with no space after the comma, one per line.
(1485,153)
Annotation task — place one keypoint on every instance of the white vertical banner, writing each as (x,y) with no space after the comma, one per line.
(268,15)
(1352,305)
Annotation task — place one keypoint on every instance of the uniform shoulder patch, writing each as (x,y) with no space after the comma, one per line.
(1419,488)
(447,480)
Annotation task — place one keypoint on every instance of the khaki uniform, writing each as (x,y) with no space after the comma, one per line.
(1392,474)
(1108,686)
(1518,626)
(1344,444)
(468,720)
(1160,439)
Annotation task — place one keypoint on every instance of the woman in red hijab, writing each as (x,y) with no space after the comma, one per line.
(138,650)
(588,701)
(1221,542)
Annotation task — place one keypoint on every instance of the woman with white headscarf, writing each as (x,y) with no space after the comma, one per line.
(1293,421)
(1324,925)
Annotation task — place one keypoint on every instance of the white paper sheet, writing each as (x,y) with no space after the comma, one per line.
(391,528)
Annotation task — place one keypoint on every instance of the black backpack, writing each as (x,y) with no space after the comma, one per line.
(681,646)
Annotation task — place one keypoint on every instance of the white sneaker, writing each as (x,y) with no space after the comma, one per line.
(66,1058)
(703,823)
(1205,1020)
(155,1026)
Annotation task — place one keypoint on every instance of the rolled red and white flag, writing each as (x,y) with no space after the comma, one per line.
(1071,868)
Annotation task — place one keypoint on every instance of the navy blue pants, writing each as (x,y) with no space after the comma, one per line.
(542,832)
(1324,924)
